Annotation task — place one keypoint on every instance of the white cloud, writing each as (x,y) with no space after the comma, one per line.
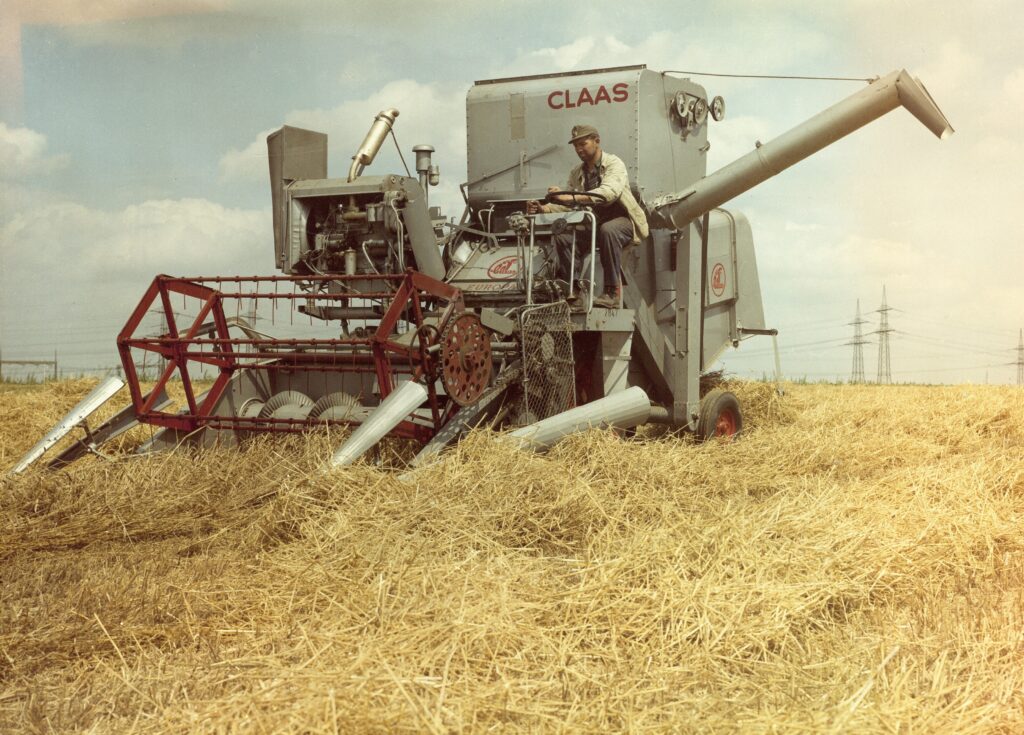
(70,275)
(74,244)
(1013,87)
(735,137)
(249,162)
(778,44)
(791,226)
(23,153)
(951,63)
(426,112)
(580,53)
(170,24)
(879,258)
(421,108)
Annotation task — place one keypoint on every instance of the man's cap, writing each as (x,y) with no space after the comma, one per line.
(582,131)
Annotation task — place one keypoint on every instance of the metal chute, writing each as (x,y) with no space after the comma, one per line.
(392,410)
(75,417)
(623,410)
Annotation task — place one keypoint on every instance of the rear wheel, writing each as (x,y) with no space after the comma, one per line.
(720,416)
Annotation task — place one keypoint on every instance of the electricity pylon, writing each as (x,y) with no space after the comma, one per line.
(884,368)
(1020,358)
(857,376)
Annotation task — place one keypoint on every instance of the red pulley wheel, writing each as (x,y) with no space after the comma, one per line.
(465,358)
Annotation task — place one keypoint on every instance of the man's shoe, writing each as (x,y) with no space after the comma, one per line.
(611,299)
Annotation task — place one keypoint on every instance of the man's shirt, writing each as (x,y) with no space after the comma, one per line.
(606,211)
(613,185)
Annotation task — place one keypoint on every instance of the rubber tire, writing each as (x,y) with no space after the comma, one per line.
(712,407)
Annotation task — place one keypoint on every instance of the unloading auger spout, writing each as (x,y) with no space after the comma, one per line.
(880,97)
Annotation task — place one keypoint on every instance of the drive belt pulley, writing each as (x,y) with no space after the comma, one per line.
(465,358)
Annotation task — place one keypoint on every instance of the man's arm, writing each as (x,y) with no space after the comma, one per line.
(532,207)
(614,181)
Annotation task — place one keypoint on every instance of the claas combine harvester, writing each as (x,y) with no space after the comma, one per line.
(422,328)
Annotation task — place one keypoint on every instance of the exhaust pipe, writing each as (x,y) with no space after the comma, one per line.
(878,98)
(622,410)
(372,142)
(400,403)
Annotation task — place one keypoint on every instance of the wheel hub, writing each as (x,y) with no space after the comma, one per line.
(725,426)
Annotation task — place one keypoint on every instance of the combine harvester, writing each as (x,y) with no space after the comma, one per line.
(436,327)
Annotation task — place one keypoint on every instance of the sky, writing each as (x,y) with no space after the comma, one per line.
(132,142)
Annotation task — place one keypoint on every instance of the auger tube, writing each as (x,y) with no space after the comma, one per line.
(879,98)
(622,410)
(392,410)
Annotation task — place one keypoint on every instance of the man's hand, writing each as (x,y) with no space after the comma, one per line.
(556,200)
(534,207)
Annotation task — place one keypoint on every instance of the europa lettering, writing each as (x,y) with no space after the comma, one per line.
(564,99)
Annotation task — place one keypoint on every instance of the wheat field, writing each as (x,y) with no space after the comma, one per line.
(854,564)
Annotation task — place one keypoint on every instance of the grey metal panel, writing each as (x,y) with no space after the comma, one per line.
(730,255)
(340,187)
(552,105)
(632,107)
(669,155)
(653,349)
(749,305)
(495,270)
(517,116)
(615,354)
(686,375)
(720,278)
(294,154)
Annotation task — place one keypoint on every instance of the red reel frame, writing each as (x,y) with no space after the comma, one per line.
(206,340)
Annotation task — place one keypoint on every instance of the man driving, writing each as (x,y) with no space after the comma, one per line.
(620,220)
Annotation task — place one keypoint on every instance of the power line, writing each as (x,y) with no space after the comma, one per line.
(952,368)
(951,345)
(795,347)
(947,322)
(771,76)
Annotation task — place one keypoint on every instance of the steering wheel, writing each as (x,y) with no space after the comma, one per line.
(550,198)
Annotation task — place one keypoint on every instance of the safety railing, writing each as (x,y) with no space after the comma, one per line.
(572,220)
